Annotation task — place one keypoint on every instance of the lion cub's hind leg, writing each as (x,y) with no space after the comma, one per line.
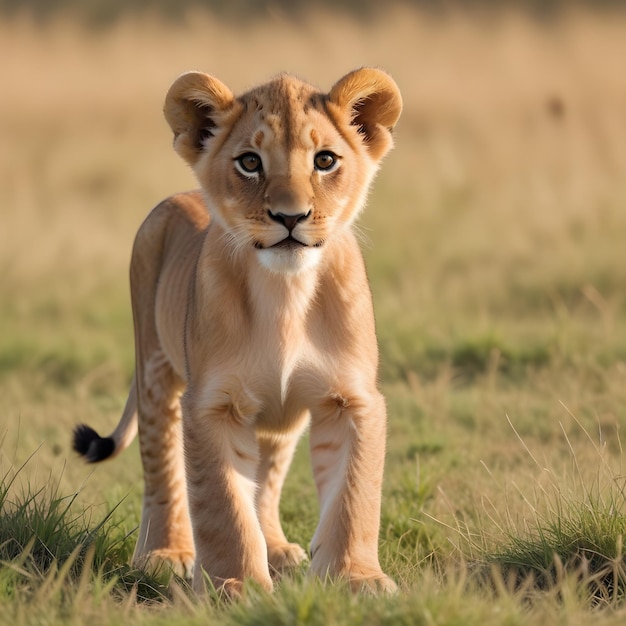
(165,533)
(276,453)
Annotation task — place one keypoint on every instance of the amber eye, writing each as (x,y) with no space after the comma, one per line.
(249,163)
(325,161)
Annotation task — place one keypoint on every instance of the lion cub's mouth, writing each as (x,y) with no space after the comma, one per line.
(289,242)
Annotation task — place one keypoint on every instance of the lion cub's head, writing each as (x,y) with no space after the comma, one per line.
(284,167)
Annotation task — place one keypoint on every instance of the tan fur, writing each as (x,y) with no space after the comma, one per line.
(261,341)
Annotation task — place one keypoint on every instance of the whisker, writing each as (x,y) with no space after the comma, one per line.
(237,239)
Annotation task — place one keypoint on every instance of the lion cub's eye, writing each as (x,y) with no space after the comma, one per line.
(325,161)
(249,163)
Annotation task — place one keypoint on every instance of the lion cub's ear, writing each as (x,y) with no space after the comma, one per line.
(372,101)
(194,106)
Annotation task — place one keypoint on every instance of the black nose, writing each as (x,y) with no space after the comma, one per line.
(289,221)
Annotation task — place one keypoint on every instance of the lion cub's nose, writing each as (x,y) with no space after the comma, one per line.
(289,221)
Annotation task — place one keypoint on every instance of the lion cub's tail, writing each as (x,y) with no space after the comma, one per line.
(90,445)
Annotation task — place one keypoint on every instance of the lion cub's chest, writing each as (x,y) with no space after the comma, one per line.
(285,389)
(284,368)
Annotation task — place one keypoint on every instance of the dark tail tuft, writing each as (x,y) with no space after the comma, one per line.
(88,443)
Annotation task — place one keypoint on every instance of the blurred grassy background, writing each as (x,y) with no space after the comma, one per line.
(103,12)
(495,235)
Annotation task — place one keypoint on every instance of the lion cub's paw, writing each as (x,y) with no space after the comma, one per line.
(179,562)
(285,556)
(226,588)
(229,588)
(374,585)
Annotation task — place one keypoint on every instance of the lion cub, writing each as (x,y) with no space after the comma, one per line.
(253,319)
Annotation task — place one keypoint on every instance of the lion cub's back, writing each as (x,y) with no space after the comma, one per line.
(164,257)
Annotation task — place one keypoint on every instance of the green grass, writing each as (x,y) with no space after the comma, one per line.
(59,567)
(484,521)
(53,553)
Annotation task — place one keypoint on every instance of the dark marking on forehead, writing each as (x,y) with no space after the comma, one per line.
(257,140)
(316,100)
(284,99)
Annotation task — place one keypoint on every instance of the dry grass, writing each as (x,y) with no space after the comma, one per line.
(515,127)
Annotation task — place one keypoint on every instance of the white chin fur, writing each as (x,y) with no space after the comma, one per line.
(281,261)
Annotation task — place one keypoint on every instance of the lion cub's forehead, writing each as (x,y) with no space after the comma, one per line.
(286,107)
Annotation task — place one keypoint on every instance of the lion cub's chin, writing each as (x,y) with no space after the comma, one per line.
(289,261)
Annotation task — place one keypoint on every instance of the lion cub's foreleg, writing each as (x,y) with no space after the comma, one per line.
(348,459)
(165,532)
(222,457)
(276,453)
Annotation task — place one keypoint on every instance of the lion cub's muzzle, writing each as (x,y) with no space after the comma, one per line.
(289,221)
